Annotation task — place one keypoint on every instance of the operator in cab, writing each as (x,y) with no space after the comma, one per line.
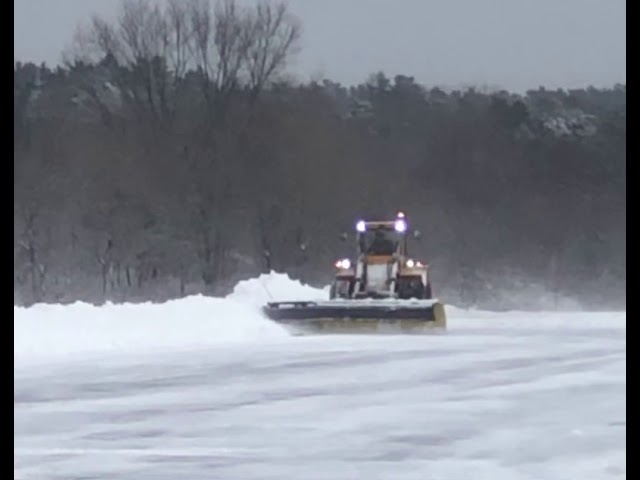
(381,244)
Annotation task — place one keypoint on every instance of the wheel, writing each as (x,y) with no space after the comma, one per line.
(428,294)
(341,289)
(411,287)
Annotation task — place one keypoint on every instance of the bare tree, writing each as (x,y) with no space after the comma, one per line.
(152,42)
(272,36)
(220,46)
(32,245)
(234,48)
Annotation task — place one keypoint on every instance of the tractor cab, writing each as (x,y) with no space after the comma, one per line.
(381,238)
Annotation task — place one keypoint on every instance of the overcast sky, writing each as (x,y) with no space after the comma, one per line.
(515,44)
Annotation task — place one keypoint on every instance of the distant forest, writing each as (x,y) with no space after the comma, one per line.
(171,154)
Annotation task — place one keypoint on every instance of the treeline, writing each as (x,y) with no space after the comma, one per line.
(170,155)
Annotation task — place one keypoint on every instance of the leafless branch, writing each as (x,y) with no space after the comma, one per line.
(272,35)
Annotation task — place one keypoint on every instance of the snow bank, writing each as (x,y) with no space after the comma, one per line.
(275,287)
(46,331)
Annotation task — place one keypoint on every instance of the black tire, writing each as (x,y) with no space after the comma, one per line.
(333,290)
(410,288)
(428,293)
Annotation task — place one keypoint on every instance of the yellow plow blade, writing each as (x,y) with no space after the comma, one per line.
(359,316)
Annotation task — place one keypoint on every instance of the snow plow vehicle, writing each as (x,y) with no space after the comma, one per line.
(382,291)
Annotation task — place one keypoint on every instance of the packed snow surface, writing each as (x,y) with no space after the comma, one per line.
(207,388)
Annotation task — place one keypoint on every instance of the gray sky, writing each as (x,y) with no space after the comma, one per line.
(515,44)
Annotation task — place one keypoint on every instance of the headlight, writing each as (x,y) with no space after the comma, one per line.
(361,226)
(344,263)
(410,263)
(401,226)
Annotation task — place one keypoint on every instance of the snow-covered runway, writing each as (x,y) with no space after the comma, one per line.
(499,396)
